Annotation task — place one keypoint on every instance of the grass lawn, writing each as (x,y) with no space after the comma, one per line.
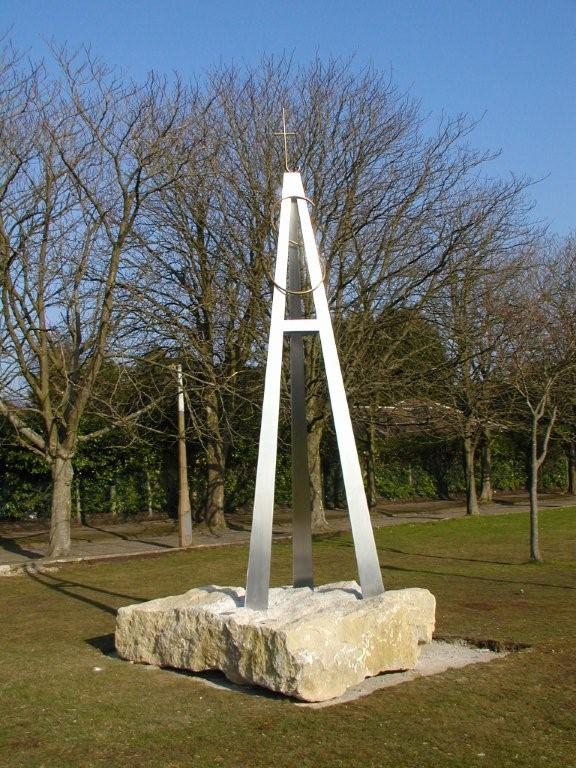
(64,703)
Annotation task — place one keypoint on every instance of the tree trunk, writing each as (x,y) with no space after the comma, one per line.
(571,456)
(487,493)
(442,483)
(537,458)
(216,467)
(149,504)
(469,457)
(336,485)
(411,478)
(534,534)
(319,522)
(535,463)
(78,502)
(371,495)
(62,474)
(214,511)
(113,501)
(436,463)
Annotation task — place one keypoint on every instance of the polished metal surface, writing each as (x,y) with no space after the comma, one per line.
(364,545)
(302,568)
(306,325)
(258,578)
(295,228)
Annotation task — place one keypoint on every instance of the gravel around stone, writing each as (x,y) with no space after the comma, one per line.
(435,657)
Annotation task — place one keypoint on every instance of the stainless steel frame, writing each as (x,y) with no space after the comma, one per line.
(295,227)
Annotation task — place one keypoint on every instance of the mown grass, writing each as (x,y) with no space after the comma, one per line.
(65,703)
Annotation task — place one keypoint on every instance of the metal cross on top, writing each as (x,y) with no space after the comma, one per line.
(297,251)
(284,133)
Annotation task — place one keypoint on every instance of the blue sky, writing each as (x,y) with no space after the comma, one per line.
(510,63)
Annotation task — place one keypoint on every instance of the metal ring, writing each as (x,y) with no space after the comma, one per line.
(297,197)
(288,291)
(278,203)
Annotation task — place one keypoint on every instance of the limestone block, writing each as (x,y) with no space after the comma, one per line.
(309,644)
(420,605)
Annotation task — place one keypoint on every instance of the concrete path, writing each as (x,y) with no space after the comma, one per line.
(24,548)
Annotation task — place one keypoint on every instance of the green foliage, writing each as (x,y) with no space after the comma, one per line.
(241,475)
(554,473)
(511,467)
(132,475)
(134,469)
(410,466)
(21,498)
(25,483)
(130,495)
(283,493)
(509,463)
(397,480)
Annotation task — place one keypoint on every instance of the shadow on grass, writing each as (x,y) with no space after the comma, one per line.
(103,643)
(124,537)
(216,679)
(211,678)
(445,557)
(472,577)
(237,526)
(328,536)
(12,545)
(67,588)
(481,561)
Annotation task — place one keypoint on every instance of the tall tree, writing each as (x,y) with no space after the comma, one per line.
(563,283)
(87,152)
(468,311)
(543,358)
(392,208)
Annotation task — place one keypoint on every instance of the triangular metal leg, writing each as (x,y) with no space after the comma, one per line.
(258,578)
(294,215)
(302,568)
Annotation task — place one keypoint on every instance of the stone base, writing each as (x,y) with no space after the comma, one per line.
(309,644)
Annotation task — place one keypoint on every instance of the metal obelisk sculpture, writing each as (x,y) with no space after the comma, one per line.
(297,250)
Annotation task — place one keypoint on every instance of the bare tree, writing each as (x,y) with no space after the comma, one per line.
(200,294)
(71,198)
(468,311)
(563,280)
(543,358)
(142,217)
(394,211)
(396,215)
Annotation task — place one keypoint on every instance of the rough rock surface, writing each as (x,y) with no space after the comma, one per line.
(309,644)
